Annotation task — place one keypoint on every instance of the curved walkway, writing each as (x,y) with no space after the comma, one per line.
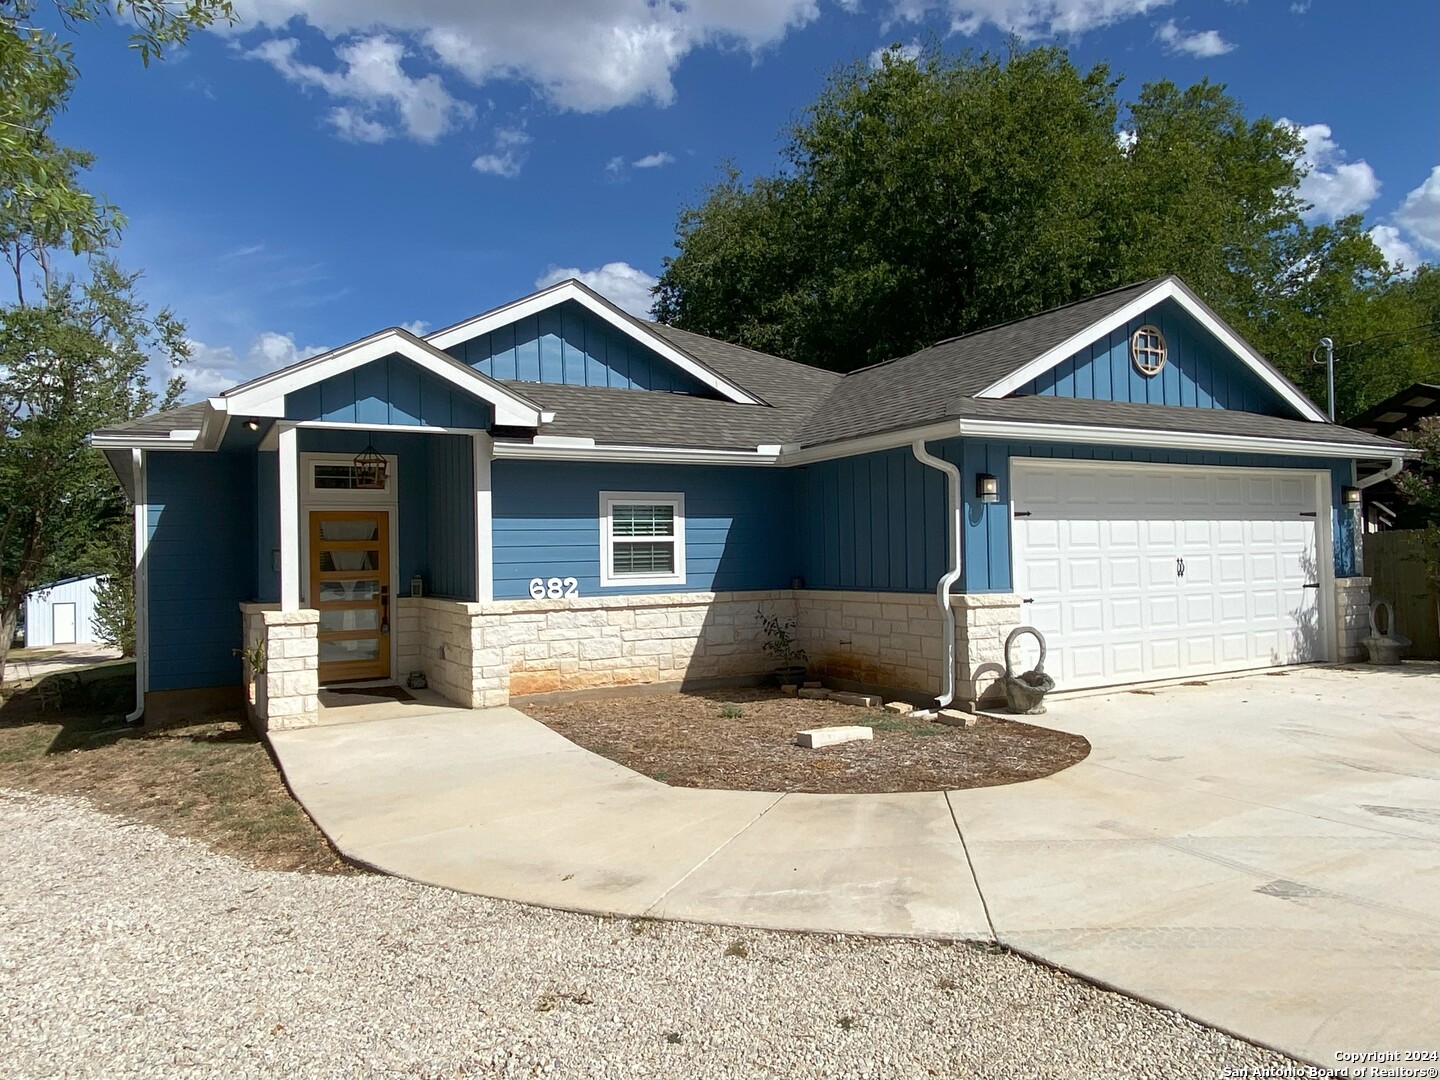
(1261,853)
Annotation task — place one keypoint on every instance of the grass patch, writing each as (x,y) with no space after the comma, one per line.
(212,781)
(903,724)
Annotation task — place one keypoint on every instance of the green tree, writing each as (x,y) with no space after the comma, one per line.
(73,350)
(925,198)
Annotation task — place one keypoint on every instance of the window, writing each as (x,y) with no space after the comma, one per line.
(1147,350)
(336,478)
(642,538)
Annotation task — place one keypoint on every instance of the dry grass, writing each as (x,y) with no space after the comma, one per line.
(213,781)
(745,740)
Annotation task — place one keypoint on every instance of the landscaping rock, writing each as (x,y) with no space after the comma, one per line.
(899,708)
(814,693)
(956,718)
(923,714)
(789,689)
(813,684)
(830,736)
(869,701)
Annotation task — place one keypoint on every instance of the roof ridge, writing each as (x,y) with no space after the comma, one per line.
(736,345)
(1011,322)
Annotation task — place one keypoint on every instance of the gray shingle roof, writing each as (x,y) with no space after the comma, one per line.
(185,418)
(649,418)
(920,388)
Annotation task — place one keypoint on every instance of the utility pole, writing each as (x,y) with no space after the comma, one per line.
(1329,362)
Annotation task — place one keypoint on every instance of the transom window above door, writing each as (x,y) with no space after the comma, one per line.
(642,538)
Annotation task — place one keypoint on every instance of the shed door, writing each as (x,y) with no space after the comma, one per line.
(63,621)
(1138,572)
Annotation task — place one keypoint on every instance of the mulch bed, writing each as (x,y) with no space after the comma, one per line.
(745,740)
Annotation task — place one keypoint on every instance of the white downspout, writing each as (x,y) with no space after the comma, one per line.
(1393,469)
(142,585)
(955,535)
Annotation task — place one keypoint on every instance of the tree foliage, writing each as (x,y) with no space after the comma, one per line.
(931,197)
(73,350)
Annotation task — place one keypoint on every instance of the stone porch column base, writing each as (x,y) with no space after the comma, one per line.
(281,666)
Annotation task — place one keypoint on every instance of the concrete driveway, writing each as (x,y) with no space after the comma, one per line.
(1261,853)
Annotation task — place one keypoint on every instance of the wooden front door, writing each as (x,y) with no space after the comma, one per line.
(350,587)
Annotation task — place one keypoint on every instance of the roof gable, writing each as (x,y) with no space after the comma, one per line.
(1199,372)
(388,392)
(637,330)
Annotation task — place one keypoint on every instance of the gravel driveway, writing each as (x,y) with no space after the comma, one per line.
(126,952)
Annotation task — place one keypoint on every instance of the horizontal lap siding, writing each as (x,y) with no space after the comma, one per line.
(571,346)
(200,557)
(987,532)
(872,522)
(739,524)
(1199,372)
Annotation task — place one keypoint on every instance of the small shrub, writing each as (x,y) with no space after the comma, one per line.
(731,712)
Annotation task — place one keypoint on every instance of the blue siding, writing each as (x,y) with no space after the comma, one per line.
(739,524)
(200,559)
(389,391)
(567,344)
(451,541)
(987,535)
(1199,372)
(872,522)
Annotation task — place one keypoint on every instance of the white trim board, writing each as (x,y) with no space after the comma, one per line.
(265,396)
(1169,289)
(574,290)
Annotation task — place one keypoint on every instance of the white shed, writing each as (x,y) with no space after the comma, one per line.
(62,613)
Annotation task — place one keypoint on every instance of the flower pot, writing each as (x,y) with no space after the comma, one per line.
(793,675)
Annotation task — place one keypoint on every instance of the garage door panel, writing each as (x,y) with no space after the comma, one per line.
(1104,570)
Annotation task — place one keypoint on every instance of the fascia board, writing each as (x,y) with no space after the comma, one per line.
(1170,289)
(676,455)
(266,396)
(567,290)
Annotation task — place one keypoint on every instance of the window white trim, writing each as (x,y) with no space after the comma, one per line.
(366,496)
(608,501)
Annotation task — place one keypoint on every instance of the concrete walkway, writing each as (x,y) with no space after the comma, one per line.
(1260,853)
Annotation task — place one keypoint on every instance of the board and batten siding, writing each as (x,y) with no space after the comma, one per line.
(1199,372)
(569,345)
(392,390)
(739,524)
(987,532)
(200,527)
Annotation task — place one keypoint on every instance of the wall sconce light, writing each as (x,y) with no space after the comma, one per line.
(252,425)
(987,488)
(1350,496)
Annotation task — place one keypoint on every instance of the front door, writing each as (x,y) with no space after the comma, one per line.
(350,587)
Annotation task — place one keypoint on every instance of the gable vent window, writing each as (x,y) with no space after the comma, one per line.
(642,538)
(1147,350)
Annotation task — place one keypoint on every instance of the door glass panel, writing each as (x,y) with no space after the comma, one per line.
(338,652)
(354,619)
(350,529)
(350,560)
(356,589)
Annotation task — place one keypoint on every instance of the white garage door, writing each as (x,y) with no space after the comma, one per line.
(1138,572)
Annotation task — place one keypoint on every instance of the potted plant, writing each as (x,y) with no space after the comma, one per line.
(780,644)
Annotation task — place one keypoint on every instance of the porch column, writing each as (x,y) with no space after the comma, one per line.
(289,484)
(484,538)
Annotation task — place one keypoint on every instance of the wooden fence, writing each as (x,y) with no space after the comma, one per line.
(1396,566)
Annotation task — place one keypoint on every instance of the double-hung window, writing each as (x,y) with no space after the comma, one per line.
(642,538)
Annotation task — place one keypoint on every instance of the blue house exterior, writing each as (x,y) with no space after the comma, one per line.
(555,495)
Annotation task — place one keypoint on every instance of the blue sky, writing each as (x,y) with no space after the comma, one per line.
(330,167)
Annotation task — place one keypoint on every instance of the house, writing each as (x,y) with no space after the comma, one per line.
(61,613)
(1383,507)
(557,495)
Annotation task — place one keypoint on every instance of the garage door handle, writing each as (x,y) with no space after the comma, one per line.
(1312,585)
(1027,600)
(1179,567)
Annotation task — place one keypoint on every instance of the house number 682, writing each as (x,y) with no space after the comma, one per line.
(553,588)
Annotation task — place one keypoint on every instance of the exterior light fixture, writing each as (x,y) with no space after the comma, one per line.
(987,488)
(1350,496)
(370,468)
(252,425)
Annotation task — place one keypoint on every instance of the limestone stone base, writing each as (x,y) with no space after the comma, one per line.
(282,691)
(1352,617)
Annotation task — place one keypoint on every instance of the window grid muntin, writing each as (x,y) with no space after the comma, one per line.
(1148,350)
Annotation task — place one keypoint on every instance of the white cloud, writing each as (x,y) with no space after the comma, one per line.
(616,165)
(384,97)
(508,156)
(585,57)
(897,53)
(1126,139)
(213,368)
(1394,247)
(418,327)
(1419,214)
(1028,19)
(622,284)
(1300,7)
(654,161)
(1333,186)
(1200,43)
